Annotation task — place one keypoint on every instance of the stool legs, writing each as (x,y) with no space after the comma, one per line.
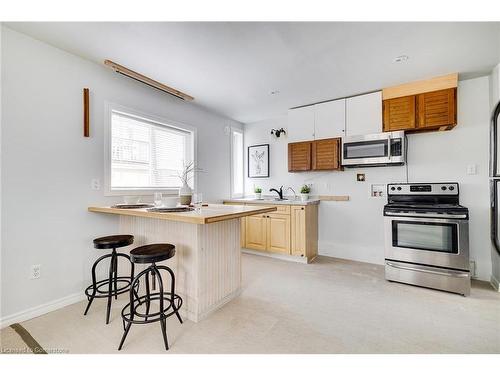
(93,291)
(163,318)
(110,283)
(129,312)
(172,290)
(94,282)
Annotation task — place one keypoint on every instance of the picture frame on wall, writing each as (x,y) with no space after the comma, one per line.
(258,161)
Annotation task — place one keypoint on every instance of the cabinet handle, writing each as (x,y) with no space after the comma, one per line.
(301,208)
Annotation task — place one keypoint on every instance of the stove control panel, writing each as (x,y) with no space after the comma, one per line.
(450,188)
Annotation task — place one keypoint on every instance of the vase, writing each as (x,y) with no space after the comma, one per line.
(258,195)
(304,197)
(185,194)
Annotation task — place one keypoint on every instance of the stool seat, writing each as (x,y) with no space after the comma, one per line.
(113,242)
(152,253)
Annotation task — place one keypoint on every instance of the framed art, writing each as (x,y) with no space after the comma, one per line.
(258,161)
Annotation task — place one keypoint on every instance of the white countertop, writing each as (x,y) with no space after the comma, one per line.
(272,201)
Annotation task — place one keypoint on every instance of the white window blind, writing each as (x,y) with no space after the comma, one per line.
(145,154)
(237,168)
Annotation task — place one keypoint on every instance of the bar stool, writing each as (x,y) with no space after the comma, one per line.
(169,303)
(95,290)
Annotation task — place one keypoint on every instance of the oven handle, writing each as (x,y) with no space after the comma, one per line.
(427,270)
(437,216)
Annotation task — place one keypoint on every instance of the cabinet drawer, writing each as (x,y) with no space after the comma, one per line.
(280,209)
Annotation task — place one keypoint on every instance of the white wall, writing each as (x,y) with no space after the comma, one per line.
(354,229)
(47,165)
(494,99)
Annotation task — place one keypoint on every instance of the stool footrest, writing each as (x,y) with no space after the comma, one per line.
(141,318)
(104,293)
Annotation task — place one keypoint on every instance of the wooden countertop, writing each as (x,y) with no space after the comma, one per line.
(211,214)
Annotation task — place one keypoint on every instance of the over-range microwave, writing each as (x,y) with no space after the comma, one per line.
(371,150)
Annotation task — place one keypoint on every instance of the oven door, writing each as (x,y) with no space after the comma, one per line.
(428,241)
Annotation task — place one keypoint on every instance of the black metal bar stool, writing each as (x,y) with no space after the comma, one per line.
(95,290)
(138,310)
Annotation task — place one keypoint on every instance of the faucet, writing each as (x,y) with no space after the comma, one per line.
(294,193)
(280,191)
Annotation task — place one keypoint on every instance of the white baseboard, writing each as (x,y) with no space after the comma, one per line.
(45,308)
(495,283)
(374,255)
(289,258)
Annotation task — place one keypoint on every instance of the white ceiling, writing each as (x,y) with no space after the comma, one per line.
(231,68)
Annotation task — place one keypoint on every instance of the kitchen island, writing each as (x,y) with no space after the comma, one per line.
(207,264)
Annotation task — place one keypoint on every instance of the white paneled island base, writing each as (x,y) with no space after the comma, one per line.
(207,262)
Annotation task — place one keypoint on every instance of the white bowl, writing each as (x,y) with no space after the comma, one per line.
(131,199)
(170,202)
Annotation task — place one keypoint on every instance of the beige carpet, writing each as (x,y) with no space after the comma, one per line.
(330,306)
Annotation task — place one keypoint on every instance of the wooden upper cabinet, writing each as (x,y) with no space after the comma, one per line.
(437,109)
(299,156)
(399,113)
(326,154)
(320,155)
(425,105)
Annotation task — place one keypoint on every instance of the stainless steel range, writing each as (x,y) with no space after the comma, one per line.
(427,236)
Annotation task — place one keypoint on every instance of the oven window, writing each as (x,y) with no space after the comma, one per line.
(366,149)
(428,236)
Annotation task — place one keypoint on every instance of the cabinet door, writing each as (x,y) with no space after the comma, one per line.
(299,156)
(325,154)
(329,119)
(255,232)
(278,233)
(436,109)
(399,113)
(364,114)
(301,124)
(298,218)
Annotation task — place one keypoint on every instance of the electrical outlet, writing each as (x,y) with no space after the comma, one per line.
(36,270)
(95,184)
(472,169)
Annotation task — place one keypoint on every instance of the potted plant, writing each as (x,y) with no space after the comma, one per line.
(304,192)
(258,192)
(185,192)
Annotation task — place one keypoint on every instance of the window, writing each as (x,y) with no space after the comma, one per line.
(237,173)
(146,154)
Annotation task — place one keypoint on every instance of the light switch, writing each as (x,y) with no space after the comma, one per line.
(472,169)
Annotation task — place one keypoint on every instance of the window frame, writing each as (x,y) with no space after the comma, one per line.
(113,107)
(240,131)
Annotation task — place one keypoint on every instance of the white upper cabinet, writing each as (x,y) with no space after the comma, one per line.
(301,124)
(329,119)
(364,114)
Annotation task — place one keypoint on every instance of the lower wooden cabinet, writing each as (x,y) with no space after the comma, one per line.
(304,231)
(291,230)
(278,233)
(256,232)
